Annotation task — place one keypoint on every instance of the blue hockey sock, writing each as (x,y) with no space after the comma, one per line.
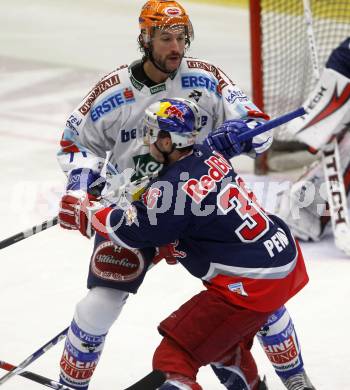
(280,343)
(80,357)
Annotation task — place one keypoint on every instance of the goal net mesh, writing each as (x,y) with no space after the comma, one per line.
(281,55)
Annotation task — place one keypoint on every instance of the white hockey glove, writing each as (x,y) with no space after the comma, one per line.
(298,208)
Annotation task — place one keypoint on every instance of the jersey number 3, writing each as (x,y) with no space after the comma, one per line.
(255,222)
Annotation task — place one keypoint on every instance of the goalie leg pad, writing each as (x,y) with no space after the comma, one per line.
(304,206)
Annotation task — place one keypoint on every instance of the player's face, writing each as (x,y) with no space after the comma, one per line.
(168,48)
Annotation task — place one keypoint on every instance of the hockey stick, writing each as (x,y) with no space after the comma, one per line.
(242,137)
(281,120)
(51,222)
(30,359)
(29,232)
(150,382)
(43,380)
(330,160)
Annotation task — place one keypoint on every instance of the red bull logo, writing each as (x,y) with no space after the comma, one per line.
(170,253)
(173,111)
(174,252)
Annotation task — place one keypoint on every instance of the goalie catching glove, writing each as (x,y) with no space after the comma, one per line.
(225,139)
(328,105)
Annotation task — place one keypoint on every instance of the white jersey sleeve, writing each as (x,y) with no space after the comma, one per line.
(86,141)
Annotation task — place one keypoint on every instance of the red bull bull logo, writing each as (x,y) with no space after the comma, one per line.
(173,111)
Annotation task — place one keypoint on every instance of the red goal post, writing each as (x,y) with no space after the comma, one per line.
(282,75)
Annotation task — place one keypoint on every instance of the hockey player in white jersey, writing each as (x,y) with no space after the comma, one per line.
(107,122)
(304,207)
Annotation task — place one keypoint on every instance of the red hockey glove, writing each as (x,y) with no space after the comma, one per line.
(76,211)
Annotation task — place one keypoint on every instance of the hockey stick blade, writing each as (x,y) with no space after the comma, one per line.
(43,380)
(30,359)
(150,382)
(281,120)
(29,232)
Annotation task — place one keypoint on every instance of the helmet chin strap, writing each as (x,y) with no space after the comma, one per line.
(165,154)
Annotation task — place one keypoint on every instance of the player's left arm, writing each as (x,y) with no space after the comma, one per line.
(148,222)
(236,115)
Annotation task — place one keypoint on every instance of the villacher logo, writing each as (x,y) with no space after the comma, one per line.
(116,265)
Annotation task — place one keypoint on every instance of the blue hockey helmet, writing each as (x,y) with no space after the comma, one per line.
(179,117)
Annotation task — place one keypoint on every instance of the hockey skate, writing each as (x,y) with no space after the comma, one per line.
(262,384)
(233,379)
(298,381)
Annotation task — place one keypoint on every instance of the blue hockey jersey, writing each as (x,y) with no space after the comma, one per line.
(217,231)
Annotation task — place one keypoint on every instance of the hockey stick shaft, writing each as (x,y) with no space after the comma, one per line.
(43,380)
(29,232)
(271,124)
(52,222)
(30,359)
(311,39)
(243,137)
(150,382)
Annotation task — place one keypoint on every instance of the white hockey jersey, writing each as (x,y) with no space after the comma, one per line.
(107,123)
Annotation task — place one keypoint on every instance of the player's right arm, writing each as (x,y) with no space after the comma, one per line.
(84,146)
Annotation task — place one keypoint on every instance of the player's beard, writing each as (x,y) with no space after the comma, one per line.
(163,63)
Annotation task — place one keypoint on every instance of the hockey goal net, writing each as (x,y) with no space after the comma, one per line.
(282,74)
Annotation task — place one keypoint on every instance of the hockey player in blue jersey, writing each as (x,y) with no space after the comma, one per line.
(199,212)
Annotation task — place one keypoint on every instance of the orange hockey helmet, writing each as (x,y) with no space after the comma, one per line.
(164,14)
